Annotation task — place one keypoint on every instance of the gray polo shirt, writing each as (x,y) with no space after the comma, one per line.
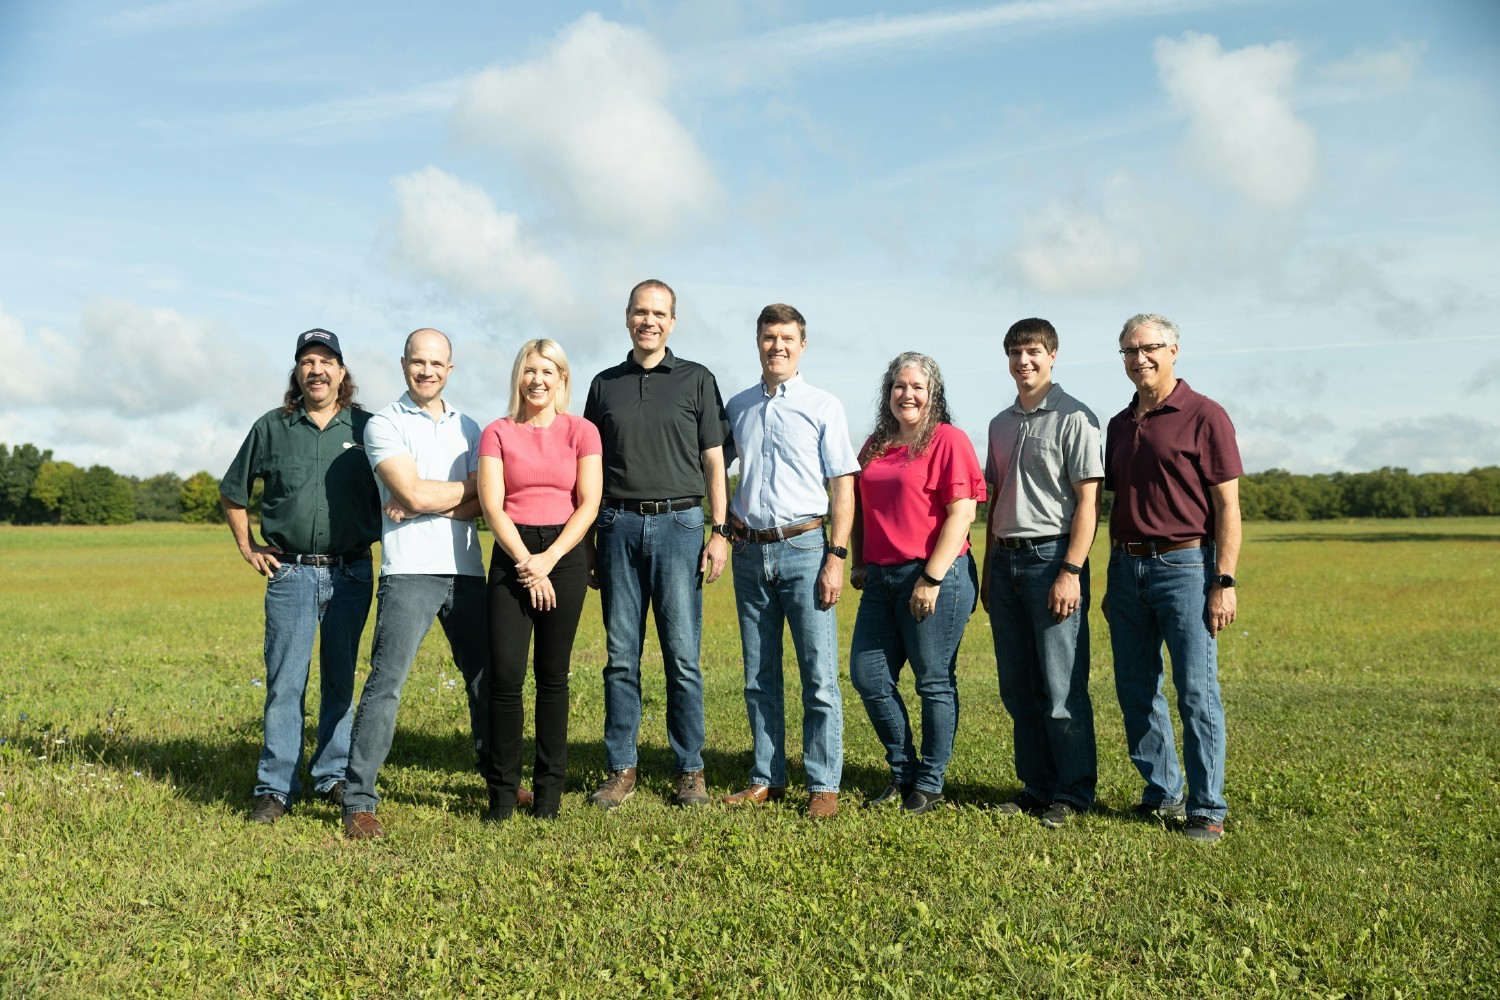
(1035,458)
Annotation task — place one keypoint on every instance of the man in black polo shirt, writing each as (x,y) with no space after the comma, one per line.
(664,432)
(319,514)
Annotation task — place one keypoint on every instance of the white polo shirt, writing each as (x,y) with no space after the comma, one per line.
(443,449)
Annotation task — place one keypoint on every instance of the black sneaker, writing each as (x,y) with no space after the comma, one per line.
(1058,813)
(268,809)
(893,795)
(1024,803)
(334,793)
(1204,829)
(919,802)
(1162,811)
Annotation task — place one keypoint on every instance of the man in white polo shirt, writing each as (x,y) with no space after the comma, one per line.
(426,456)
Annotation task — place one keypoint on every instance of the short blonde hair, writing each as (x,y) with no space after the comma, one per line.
(550,349)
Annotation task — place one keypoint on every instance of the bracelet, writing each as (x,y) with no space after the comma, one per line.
(929,579)
(1073,568)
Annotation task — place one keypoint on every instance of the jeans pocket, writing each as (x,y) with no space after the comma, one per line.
(281,572)
(806,541)
(362,571)
(1192,558)
(692,518)
(606,517)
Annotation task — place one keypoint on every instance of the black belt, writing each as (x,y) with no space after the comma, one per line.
(320,560)
(1027,543)
(1152,547)
(780,534)
(654,506)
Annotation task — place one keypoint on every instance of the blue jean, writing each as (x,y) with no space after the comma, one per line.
(651,560)
(407,604)
(298,600)
(886,636)
(1043,669)
(776,584)
(1156,599)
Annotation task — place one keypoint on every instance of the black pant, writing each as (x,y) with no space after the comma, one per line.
(512,621)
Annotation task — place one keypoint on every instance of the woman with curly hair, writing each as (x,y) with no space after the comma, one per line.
(919,486)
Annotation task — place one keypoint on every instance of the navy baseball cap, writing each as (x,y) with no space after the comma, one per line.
(318,338)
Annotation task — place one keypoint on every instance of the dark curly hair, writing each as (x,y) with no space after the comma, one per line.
(886,429)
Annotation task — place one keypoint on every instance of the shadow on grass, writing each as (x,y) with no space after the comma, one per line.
(1379,536)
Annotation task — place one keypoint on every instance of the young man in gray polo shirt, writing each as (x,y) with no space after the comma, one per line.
(425,455)
(1044,469)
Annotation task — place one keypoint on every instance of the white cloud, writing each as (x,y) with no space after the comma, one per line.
(1391,69)
(1068,248)
(450,231)
(180,14)
(323,122)
(589,124)
(1241,128)
(1437,443)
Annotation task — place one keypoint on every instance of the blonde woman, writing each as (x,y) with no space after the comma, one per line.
(540,480)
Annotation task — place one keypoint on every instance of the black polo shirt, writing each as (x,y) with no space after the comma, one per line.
(655,424)
(320,496)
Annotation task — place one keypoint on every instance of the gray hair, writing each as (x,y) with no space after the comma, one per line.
(937,412)
(1168,329)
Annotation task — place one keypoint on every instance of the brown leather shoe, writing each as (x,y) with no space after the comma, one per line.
(616,789)
(363,826)
(524,798)
(823,805)
(691,789)
(754,795)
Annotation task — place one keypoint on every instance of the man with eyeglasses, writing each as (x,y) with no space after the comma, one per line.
(1172,462)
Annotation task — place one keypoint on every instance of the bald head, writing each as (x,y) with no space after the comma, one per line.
(422,343)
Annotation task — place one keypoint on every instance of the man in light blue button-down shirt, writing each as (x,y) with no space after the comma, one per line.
(425,455)
(797,469)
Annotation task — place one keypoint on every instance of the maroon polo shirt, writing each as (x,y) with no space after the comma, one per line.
(1160,469)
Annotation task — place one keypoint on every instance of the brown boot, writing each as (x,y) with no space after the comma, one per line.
(754,795)
(616,790)
(363,826)
(823,805)
(691,789)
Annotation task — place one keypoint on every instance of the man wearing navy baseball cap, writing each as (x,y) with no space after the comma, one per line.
(319,514)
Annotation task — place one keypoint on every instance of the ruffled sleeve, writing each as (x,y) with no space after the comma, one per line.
(953,469)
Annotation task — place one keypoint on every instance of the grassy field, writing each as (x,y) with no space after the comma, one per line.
(1362,684)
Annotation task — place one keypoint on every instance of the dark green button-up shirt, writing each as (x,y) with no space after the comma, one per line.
(320,496)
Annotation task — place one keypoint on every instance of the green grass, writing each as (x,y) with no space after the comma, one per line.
(1360,857)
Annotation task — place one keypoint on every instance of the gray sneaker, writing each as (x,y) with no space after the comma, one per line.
(616,790)
(1204,829)
(1162,811)
(1058,813)
(691,789)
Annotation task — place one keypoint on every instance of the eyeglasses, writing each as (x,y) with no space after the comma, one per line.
(1145,349)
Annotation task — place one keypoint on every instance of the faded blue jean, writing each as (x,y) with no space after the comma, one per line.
(300,599)
(407,604)
(1156,599)
(651,560)
(775,585)
(1043,669)
(886,637)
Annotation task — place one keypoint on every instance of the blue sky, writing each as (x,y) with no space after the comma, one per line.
(1310,189)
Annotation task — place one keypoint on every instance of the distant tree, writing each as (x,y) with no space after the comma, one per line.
(18,469)
(157,498)
(54,487)
(101,496)
(199,500)
(1477,492)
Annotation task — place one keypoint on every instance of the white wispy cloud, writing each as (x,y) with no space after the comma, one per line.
(1241,127)
(320,121)
(588,122)
(176,14)
(1388,68)
(450,231)
(856,37)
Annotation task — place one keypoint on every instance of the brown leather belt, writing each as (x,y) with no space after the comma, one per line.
(1027,543)
(781,534)
(1151,548)
(322,560)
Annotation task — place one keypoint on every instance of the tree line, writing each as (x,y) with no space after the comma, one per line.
(35,489)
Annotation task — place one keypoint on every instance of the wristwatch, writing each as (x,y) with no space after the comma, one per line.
(1224,580)
(722,529)
(836,550)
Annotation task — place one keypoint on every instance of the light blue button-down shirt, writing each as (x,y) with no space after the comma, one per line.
(790,440)
(445,449)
